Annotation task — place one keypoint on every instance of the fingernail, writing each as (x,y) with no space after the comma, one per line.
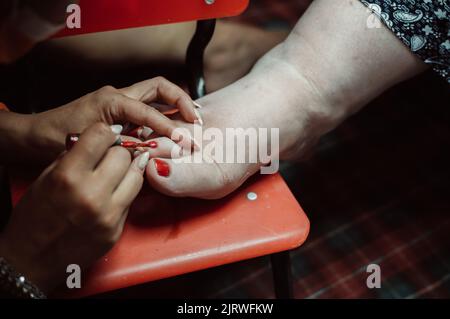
(118,141)
(143,160)
(162,168)
(136,154)
(199,118)
(197,105)
(146,132)
(116,129)
(196,146)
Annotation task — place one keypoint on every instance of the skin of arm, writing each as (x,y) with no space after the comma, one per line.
(15,136)
(40,137)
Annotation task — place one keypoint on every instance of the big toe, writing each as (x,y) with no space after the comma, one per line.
(184,178)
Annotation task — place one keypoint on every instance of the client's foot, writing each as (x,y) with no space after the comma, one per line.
(256,101)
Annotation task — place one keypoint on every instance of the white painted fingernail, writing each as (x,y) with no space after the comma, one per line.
(197,105)
(143,160)
(116,129)
(136,154)
(146,132)
(199,118)
(139,132)
(196,145)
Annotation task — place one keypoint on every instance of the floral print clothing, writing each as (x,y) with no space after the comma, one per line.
(422,25)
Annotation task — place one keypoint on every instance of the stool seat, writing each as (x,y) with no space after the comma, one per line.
(165,237)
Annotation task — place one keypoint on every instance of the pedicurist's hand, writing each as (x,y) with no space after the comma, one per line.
(75,211)
(112,106)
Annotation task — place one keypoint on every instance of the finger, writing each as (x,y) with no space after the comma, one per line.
(112,169)
(160,147)
(141,132)
(162,90)
(127,109)
(90,148)
(132,182)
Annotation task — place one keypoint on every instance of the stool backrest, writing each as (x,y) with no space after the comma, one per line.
(106,15)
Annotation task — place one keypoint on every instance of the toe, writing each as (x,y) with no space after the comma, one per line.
(187,179)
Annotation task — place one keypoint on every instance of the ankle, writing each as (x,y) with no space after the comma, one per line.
(310,111)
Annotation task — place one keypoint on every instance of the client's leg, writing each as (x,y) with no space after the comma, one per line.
(305,87)
(230,55)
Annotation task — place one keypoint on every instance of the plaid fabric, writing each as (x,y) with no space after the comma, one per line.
(376,191)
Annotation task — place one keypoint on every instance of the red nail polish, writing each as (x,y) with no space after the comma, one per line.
(162,168)
(128,144)
(153,144)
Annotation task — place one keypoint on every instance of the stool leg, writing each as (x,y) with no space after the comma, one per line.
(282,275)
(194,56)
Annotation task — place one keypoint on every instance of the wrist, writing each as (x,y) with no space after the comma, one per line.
(29,267)
(46,139)
(308,110)
(16,285)
(15,134)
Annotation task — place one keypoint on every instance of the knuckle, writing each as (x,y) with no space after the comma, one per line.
(105,95)
(107,89)
(102,129)
(90,205)
(161,79)
(120,154)
(107,224)
(63,179)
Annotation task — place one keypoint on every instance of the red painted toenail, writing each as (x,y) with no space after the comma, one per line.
(162,168)
(153,144)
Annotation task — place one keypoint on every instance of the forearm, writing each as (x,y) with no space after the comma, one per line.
(15,133)
(29,138)
(342,58)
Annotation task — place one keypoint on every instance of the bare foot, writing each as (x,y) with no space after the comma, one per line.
(254,102)
(234,50)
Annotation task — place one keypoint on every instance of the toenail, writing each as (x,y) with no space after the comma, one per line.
(162,168)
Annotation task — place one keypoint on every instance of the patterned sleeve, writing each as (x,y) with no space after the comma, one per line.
(423,25)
